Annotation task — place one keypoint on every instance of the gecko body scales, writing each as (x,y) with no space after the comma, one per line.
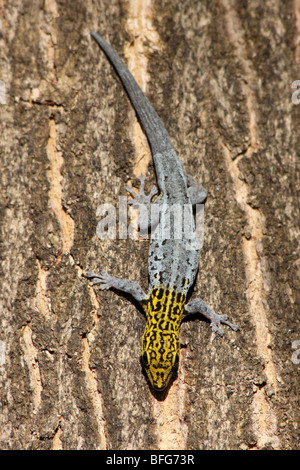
(173,260)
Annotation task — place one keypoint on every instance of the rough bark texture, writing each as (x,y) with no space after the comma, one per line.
(219,73)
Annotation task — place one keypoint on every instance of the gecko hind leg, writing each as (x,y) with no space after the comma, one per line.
(197,193)
(198,306)
(142,202)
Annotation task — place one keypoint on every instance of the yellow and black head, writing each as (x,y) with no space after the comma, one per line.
(160,357)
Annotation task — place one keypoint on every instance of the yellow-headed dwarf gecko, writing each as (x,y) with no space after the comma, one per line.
(173,261)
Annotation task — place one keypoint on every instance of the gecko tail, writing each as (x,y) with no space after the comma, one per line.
(152,125)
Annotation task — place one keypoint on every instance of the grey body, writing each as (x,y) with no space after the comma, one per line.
(171,261)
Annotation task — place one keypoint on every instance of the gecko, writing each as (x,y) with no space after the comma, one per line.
(173,260)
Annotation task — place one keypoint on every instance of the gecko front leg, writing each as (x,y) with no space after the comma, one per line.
(106,281)
(198,306)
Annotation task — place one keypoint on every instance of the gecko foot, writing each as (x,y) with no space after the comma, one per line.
(104,279)
(141,198)
(216,320)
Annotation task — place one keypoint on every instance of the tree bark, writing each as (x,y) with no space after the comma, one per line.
(219,73)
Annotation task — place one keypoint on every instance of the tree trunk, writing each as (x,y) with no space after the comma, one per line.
(219,73)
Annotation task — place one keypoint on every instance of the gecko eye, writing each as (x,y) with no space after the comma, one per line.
(145,359)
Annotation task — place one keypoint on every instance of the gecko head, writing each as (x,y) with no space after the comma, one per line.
(160,357)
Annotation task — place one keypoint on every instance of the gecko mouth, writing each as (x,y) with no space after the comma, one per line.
(159,388)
